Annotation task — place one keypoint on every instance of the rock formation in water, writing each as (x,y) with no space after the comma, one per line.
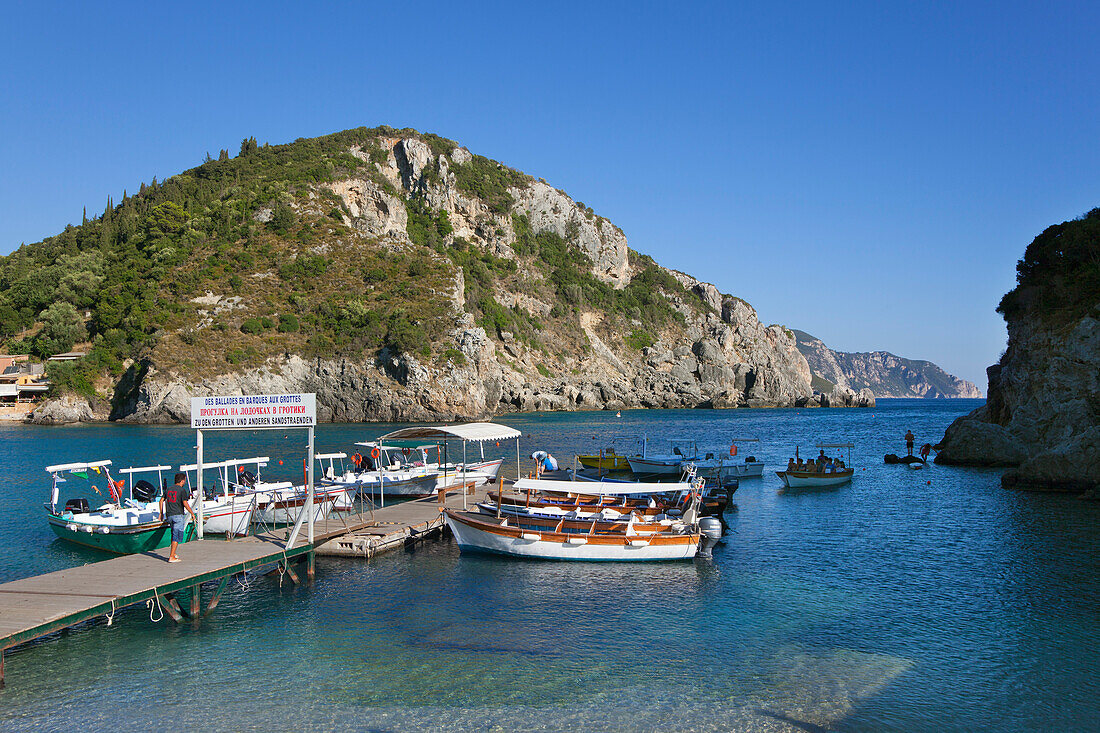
(1042,415)
(883,373)
(399,277)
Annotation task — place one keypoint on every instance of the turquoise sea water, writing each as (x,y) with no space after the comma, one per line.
(890,604)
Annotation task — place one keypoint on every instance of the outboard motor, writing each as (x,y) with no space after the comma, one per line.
(247,478)
(77,506)
(710,530)
(144,491)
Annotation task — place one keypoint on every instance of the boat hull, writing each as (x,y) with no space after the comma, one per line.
(286,511)
(606,463)
(119,540)
(233,518)
(660,466)
(480,538)
(744,470)
(808,480)
(404,486)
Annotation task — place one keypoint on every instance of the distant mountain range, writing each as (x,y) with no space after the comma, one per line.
(883,373)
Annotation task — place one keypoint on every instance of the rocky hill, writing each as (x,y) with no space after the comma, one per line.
(1042,414)
(395,274)
(883,373)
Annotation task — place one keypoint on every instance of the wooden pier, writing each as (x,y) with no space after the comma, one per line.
(41,605)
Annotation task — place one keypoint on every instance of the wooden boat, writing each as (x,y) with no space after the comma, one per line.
(644,498)
(580,511)
(589,534)
(612,458)
(565,539)
(819,479)
(814,479)
(122,525)
(607,460)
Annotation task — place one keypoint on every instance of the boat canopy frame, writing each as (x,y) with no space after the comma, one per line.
(474,432)
(56,471)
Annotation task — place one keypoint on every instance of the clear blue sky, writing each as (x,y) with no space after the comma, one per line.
(867,172)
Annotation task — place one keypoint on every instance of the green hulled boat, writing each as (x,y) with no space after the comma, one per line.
(83,529)
(123,526)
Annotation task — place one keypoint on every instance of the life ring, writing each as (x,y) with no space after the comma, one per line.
(733,449)
(374,452)
(357,459)
(406,451)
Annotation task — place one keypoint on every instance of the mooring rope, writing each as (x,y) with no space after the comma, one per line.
(149,605)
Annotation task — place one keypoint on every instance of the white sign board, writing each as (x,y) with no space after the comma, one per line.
(254,412)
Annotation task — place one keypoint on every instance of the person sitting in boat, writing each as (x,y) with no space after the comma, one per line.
(791,465)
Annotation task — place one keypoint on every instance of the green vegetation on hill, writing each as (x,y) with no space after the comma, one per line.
(1058,278)
(248,257)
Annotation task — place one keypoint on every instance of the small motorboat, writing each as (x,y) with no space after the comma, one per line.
(821,475)
(122,525)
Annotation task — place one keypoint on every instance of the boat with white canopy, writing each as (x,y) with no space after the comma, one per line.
(591,538)
(225,512)
(273,502)
(466,473)
(123,524)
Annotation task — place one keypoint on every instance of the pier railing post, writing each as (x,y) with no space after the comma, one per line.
(198,483)
(310,491)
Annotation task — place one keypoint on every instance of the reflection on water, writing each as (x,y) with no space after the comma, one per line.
(911,600)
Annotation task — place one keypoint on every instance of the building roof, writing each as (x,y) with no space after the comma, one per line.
(67,356)
(9,390)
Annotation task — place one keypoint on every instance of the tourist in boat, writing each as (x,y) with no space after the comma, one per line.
(173,502)
(791,465)
(909,441)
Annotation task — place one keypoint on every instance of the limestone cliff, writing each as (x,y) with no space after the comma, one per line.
(883,373)
(1041,415)
(404,278)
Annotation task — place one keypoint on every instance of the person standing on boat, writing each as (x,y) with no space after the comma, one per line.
(173,503)
(909,441)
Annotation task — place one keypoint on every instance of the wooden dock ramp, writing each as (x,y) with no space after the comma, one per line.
(35,607)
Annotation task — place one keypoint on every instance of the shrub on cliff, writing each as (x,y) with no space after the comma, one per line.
(489,181)
(1058,278)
